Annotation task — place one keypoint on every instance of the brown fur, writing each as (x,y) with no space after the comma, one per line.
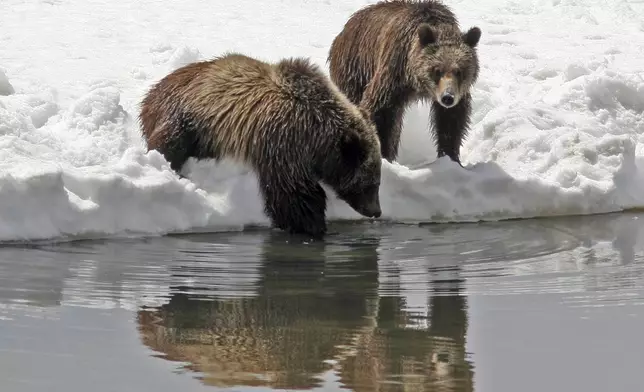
(393,53)
(286,120)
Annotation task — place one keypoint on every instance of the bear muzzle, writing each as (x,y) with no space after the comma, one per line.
(372,210)
(446,93)
(365,203)
(376,213)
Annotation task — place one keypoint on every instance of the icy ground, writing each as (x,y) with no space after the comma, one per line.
(558,115)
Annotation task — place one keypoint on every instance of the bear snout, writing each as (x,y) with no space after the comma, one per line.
(373,210)
(446,94)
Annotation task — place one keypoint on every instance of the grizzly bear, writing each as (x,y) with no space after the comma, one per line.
(394,53)
(286,120)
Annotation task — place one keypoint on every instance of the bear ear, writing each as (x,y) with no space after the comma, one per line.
(426,35)
(472,37)
(352,149)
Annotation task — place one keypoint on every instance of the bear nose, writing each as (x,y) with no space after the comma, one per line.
(377,213)
(447,99)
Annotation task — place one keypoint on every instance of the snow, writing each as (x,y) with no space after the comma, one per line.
(557,129)
(5,87)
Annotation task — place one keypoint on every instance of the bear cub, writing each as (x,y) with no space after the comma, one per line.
(394,53)
(286,120)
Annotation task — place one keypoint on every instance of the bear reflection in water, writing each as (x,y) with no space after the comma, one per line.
(311,315)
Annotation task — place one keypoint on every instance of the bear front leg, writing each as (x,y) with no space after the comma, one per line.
(450,127)
(295,208)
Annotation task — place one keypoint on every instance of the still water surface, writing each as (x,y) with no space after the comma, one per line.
(535,305)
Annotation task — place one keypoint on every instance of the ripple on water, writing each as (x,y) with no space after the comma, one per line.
(600,256)
(372,306)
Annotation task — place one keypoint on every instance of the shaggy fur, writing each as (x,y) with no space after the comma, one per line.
(286,120)
(394,53)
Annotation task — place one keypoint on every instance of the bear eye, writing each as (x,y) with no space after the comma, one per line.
(436,74)
(458,73)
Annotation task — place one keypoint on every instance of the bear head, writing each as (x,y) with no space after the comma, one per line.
(356,168)
(443,62)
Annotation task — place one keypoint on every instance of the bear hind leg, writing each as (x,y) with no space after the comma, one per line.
(178,151)
(389,126)
(450,127)
(386,104)
(296,210)
(178,142)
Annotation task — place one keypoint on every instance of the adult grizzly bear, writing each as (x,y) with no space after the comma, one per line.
(286,120)
(393,53)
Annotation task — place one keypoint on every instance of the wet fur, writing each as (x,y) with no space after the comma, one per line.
(385,58)
(286,120)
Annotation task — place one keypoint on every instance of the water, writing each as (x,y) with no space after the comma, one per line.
(535,305)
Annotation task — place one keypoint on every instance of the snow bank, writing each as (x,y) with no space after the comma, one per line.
(5,87)
(557,125)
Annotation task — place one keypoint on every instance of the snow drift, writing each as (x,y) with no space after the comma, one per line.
(558,115)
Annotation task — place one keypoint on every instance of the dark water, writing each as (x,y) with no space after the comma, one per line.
(540,305)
